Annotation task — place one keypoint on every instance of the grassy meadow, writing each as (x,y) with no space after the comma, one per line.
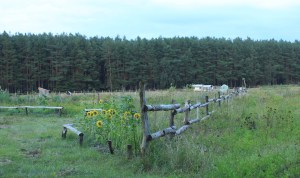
(254,135)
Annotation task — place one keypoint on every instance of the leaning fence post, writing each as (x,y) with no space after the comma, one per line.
(206,101)
(144,117)
(219,97)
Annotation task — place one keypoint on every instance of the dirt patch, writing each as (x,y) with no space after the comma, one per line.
(32,153)
(66,172)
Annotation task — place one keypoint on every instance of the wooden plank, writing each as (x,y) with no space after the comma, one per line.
(9,107)
(161,107)
(31,107)
(87,110)
(43,107)
(70,127)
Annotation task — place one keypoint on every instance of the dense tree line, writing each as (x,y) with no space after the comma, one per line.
(74,62)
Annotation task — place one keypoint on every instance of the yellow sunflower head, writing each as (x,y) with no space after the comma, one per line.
(99,124)
(126,114)
(100,101)
(136,115)
(112,111)
(109,116)
(88,113)
(95,112)
(104,112)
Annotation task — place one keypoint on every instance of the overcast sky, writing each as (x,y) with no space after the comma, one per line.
(257,19)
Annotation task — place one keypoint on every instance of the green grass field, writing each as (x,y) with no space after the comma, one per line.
(256,135)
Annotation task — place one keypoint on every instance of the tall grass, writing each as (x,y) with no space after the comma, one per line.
(257,135)
(253,136)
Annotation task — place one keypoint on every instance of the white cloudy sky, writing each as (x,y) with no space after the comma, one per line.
(257,19)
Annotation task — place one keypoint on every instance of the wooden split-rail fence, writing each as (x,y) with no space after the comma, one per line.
(175,109)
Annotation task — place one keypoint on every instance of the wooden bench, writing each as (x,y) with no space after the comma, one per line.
(59,108)
(71,128)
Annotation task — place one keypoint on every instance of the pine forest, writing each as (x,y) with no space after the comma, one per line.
(74,62)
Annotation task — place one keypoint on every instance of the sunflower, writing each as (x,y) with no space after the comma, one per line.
(95,112)
(88,113)
(99,124)
(136,115)
(112,111)
(109,116)
(100,101)
(104,112)
(126,114)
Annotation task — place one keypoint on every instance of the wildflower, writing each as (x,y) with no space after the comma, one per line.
(136,115)
(126,114)
(100,101)
(112,111)
(109,116)
(104,112)
(88,113)
(95,112)
(99,124)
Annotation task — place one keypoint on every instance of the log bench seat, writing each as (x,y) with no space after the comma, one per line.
(59,108)
(74,130)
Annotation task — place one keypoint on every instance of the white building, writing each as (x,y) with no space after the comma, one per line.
(201,87)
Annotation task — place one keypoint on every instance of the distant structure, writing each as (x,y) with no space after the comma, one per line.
(224,88)
(43,92)
(69,93)
(201,87)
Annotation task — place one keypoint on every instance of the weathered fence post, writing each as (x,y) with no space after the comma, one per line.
(98,100)
(206,101)
(129,151)
(172,115)
(110,147)
(219,97)
(187,113)
(144,117)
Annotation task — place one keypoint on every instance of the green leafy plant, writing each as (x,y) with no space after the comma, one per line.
(118,121)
